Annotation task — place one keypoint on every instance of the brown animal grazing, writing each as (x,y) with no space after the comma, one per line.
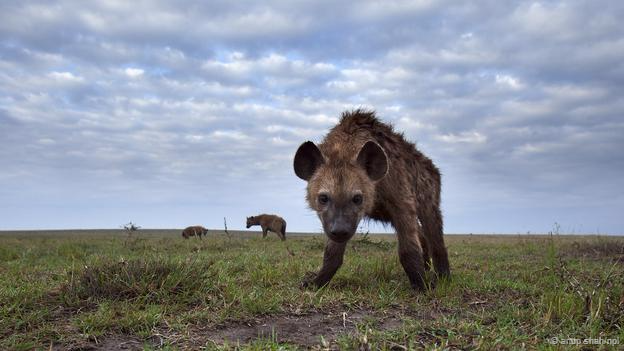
(274,223)
(363,168)
(196,230)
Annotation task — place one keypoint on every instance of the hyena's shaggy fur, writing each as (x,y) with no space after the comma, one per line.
(365,169)
(274,223)
(196,230)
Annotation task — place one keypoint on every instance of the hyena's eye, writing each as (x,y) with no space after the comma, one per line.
(323,199)
(357,199)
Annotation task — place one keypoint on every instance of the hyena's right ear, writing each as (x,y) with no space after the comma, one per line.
(307,160)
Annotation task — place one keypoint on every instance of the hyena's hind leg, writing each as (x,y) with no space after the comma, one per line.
(282,232)
(432,226)
(424,244)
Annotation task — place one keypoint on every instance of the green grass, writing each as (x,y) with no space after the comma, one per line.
(158,290)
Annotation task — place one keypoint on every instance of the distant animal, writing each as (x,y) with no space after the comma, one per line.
(363,168)
(196,230)
(267,222)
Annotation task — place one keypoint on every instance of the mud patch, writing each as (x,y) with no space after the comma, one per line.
(108,343)
(303,330)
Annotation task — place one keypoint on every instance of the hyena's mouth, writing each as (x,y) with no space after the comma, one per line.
(340,237)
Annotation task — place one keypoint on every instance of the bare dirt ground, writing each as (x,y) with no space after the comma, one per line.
(311,329)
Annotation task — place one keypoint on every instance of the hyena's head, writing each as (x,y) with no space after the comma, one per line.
(341,192)
(250,221)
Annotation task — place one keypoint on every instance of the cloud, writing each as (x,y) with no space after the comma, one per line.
(134,72)
(471,137)
(65,77)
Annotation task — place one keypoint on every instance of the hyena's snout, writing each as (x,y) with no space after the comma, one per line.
(340,228)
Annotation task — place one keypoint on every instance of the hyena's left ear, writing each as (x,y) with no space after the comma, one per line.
(307,160)
(374,160)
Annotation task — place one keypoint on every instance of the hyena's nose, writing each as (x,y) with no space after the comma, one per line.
(340,234)
(339,229)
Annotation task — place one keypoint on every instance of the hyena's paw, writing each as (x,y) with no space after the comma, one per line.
(309,280)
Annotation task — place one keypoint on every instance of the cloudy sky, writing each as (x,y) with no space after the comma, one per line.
(171,113)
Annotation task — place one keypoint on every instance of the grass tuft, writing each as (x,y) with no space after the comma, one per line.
(150,280)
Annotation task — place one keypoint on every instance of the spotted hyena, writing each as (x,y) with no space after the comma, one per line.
(196,230)
(363,168)
(267,222)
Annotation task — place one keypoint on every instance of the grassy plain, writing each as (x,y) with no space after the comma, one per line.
(102,290)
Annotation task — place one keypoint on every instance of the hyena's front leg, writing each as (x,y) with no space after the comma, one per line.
(265,231)
(411,254)
(332,260)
